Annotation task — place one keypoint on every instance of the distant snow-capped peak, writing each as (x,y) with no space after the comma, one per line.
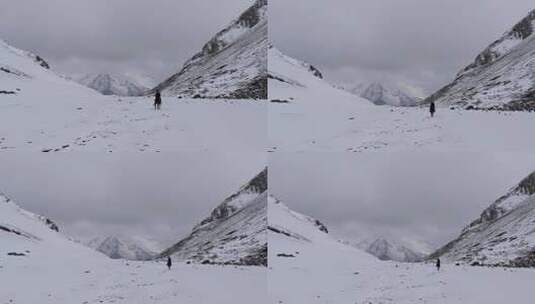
(128,248)
(382,94)
(392,250)
(108,84)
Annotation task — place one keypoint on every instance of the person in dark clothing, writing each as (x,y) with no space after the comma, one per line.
(169,263)
(432,108)
(438,264)
(157,100)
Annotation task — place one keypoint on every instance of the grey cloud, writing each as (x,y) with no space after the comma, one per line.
(420,42)
(422,196)
(159,196)
(136,36)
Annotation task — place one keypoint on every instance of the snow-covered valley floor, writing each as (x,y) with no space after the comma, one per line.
(307,114)
(346,127)
(307,265)
(43,111)
(345,275)
(87,122)
(129,282)
(40,265)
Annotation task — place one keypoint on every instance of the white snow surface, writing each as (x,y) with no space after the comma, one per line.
(55,270)
(323,270)
(315,116)
(50,113)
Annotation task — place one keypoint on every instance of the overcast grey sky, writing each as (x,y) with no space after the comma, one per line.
(157,196)
(125,36)
(421,43)
(419,196)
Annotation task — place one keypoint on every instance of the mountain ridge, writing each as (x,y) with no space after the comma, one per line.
(233,64)
(388,250)
(234,232)
(502,76)
(116,247)
(109,84)
(381,94)
(502,235)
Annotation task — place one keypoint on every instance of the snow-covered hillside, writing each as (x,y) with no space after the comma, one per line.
(308,114)
(22,70)
(304,260)
(231,65)
(41,111)
(108,84)
(40,265)
(381,94)
(289,76)
(308,266)
(234,233)
(124,248)
(502,235)
(502,77)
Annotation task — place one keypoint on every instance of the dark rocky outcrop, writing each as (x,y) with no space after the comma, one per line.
(42,62)
(315,72)
(51,225)
(320,226)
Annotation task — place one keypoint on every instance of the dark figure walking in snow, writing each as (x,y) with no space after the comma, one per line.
(438,264)
(432,108)
(157,100)
(169,263)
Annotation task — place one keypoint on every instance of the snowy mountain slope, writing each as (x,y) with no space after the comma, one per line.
(380,94)
(39,265)
(300,99)
(35,236)
(504,234)
(231,65)
(235,231)
(44,112)
(20,69)
(29,244)
(388,250)
(21,225)
(308,114)
(502,77)
(286,223)
(289,76)
(122,248)
(305,262)
(307,266)
(108,84)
